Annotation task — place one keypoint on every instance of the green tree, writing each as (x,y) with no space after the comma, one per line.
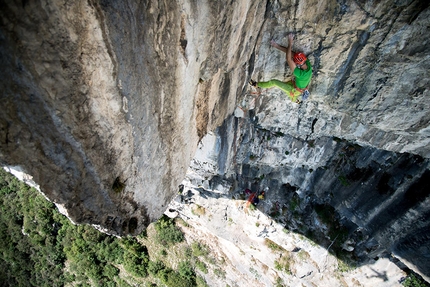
(37,241)
(413,280)
(167,231)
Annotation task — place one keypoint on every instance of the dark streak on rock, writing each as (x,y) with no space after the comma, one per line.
(313,124)
(346,68)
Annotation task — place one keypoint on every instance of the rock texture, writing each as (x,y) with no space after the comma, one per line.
(371,71)
(254,249)
(104,102)
(363,203)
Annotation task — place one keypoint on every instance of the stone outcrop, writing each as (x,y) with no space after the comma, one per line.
(371,70)
(104,102)
(258,249)
(364,203)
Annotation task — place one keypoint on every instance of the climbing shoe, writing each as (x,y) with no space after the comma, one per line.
(253,83)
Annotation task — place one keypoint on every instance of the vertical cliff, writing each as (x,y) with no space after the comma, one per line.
(104,102)
(361,202)
(370,63)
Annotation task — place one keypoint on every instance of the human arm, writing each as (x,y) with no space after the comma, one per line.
(279,47)
(289,53)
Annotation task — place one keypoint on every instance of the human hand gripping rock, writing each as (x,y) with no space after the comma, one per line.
(290,39)
(273,43)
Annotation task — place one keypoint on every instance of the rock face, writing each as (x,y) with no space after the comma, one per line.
(363,203)
(371,76)
(255,249)
(104,102)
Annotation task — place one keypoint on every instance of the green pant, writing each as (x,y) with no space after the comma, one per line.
(286,87)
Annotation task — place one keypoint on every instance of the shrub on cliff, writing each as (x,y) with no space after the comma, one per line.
(414,281)
(155,267)
(199,249)
(167,231)
(135,257)
(184,277)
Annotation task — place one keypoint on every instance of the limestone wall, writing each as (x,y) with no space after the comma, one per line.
(104,102)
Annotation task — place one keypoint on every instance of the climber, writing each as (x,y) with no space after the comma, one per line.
(296,89)
(250,199)
(261,196)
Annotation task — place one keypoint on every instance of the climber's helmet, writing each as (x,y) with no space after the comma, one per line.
(299,58)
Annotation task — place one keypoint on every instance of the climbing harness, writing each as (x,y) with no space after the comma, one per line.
(305,92)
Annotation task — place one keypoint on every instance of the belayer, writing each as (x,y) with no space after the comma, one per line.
(296,89)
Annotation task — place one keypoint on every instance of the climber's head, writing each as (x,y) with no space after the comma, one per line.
(299,58)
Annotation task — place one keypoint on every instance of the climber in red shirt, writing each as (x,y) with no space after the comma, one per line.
(296,89)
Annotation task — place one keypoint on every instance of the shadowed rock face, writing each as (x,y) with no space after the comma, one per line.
(360,202)
(104,102)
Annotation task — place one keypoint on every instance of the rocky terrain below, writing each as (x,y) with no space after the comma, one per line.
(256,250)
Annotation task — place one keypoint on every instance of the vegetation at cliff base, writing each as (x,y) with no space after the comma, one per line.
(41,247)
(167,231)
(413,280)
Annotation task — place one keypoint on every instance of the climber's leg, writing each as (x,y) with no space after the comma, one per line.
(276,83)
(286,87)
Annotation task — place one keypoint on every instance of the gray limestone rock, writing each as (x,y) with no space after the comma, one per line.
(104,102)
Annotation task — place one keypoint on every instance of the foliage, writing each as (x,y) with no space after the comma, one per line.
(186,270)
(219,273)
(343,180)
(336,231)
(254,272)
(279,282)
(303,255)
(167,231)
(201,266)
(118,186)
(175,279)
(184,277)
(413,280)
(41,247)
(284,263)
(31,252)
(199,210)
(188,252)
(343,266)
(135,257)
(155,267)
(294,203)
(199,249)
(38,241)
(272,245)
(201,282)
(311,143)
